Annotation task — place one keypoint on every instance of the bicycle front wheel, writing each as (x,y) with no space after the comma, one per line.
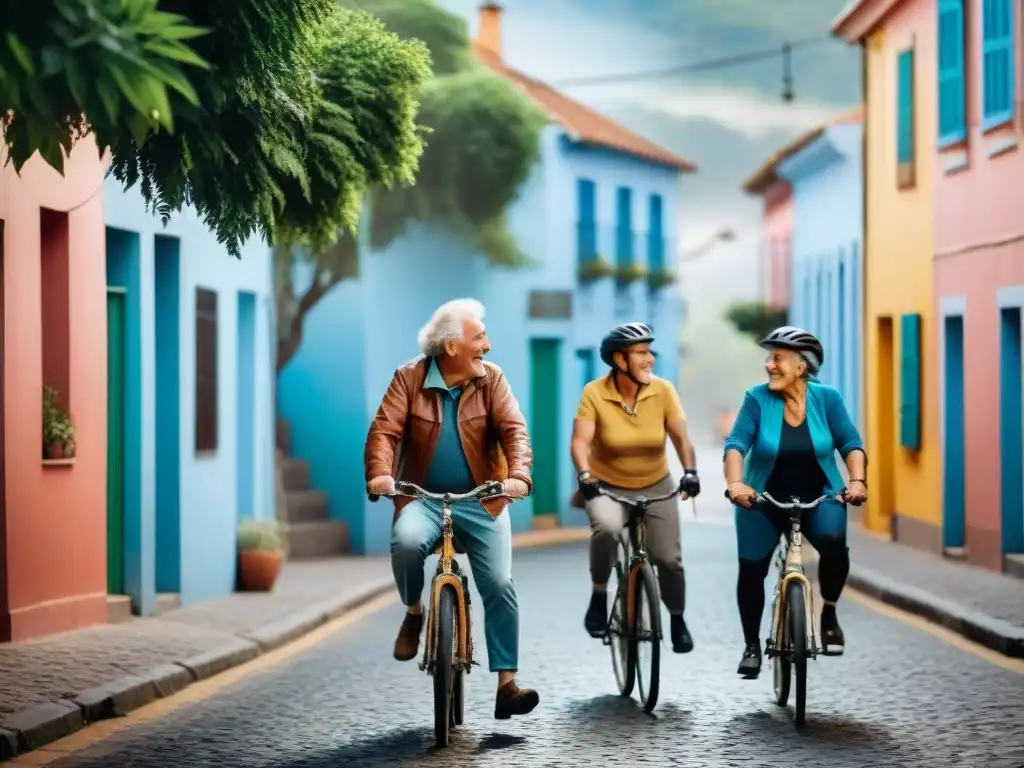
(647,636)
(619,635)
(796,619)
(444,658)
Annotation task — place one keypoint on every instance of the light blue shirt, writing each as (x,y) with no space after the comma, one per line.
(758,429)
(449,470)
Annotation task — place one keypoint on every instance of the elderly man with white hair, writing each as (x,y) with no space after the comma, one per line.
(449,423)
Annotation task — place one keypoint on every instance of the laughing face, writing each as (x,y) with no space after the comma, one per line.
(784,368)
(638,361)
(467,355)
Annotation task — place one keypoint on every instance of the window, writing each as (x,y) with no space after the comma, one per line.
(624,228)
(655,235)
(952,85)
(910,382)
(587,362)
(997,62)
(586,233)
(206,370)
(905,120)
(54,247)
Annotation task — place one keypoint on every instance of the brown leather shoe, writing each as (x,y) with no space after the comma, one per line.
(513,700)
(407,644)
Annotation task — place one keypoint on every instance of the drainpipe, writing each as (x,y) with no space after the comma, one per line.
(864,319)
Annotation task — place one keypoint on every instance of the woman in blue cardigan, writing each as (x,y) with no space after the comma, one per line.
(784,441)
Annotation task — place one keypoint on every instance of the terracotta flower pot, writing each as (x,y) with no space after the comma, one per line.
(55,451)
(258,569)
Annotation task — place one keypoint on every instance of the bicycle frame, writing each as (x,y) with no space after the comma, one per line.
(789,562)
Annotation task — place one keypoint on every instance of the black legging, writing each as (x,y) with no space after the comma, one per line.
(833,568)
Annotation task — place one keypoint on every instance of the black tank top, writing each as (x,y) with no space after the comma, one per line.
(796,471)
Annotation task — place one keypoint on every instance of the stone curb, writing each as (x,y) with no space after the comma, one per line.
(995,634)
(43,724)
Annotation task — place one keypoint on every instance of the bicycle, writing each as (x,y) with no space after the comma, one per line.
(635,585)
(793,638)
(448,650)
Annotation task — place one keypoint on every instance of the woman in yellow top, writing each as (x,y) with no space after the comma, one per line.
(618,440)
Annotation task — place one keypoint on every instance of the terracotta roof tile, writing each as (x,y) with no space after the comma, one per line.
(765,175)
(583,123)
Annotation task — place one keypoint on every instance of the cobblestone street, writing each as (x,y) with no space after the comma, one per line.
(899,697)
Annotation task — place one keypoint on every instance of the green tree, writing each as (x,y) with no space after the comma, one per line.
(755,319)
(273,119)
(482,140)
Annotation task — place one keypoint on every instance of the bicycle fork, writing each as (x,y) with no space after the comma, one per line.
(792,570)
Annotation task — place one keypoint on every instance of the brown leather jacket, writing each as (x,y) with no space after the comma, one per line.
(404,432)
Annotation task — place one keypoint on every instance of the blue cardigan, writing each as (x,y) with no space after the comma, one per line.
(758,429)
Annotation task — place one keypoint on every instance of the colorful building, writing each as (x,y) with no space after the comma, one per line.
(190,356)
(825,174)
(900,361)
(52,511)
(599,191)
(776,251)
(979,275)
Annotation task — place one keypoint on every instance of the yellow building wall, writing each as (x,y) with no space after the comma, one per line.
(898,276)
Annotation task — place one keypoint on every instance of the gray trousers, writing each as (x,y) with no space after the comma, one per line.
(607,519)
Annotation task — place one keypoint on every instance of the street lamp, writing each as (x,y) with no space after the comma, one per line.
(724,235)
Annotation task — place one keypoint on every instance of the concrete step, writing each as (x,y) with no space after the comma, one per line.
(295,473)
(167,601)
(306,506)
(119,608)
(325,538)
(284,436)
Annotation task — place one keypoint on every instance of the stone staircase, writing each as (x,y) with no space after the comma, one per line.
(311,531)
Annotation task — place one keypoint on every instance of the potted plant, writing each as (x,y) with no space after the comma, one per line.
(595,269)
(58,428)
(630,274)
(661,279)
(261,553)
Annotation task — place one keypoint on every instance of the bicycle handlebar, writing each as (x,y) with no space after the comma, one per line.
(638,502)
(492,489)
(764,496)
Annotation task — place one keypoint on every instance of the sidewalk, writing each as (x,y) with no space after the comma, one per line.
(984,606)
(53,686)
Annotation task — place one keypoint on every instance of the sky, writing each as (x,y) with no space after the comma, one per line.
(727,120)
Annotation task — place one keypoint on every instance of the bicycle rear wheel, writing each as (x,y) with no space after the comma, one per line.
(444,658)
(618,631)
(647,636)
(796,619)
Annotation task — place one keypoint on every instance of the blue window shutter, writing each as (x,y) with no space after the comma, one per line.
(586,234)
(997,62)
(624,227)
(587,361)
(952,85)
(910,382)
(656,236)
(905,108)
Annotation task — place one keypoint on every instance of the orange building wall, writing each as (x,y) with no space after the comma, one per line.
(55,515)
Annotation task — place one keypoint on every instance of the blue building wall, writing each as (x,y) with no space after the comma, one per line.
(183,508)
(357,334)
(827,273)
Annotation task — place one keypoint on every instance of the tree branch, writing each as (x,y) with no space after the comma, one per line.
(318,288)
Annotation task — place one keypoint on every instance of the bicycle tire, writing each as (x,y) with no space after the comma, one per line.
(647,629)
(619,634)
(444,657)
(796,618)
(782,669)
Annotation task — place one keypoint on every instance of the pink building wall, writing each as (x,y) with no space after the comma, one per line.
(54,516)
(777,244)
(979,244)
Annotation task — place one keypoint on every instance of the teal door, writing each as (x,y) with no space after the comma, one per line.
(953,500)
(115,441)
(544,420)
(1011,430)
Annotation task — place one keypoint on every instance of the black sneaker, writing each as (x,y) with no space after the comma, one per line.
(750,664)
(832,641)
(596,620)
(681,640)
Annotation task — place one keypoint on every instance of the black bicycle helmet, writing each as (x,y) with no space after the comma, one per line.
(798,340)
(622,337)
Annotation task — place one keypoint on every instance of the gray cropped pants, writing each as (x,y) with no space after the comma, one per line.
(607,520)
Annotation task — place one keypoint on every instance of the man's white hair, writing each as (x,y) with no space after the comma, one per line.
(446,325)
